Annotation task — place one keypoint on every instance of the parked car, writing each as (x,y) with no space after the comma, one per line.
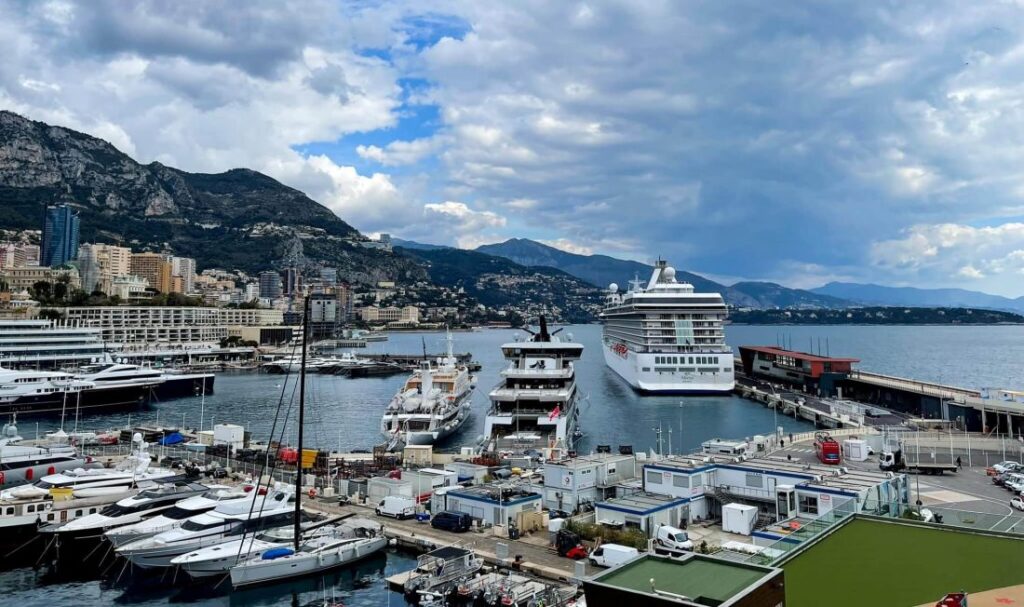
(1015,483)
(449,520)
(610,555)
(1017,503)
(1007,466)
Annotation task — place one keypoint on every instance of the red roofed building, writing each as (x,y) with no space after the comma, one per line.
(799,368)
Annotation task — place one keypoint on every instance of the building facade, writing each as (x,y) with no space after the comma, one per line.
(100,264)
(408,314)
(60,235)
(155,268)
(270,285)
(185,269)
(18,279)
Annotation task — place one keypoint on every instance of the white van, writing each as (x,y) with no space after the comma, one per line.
(396,506)
(673,538)
(610,555)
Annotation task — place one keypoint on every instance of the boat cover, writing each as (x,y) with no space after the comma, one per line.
(276,553)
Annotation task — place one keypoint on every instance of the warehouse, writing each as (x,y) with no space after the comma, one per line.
(643,511)
(588,479)
(494,504)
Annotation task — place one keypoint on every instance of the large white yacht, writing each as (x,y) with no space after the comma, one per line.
(432,404)
(252,513)
(664,338)
(174,517)
(536,405)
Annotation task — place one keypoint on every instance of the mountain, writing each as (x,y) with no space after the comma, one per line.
(602,270)
(871,294)
(877,316)
(419,246)
(496,281)
(239,219)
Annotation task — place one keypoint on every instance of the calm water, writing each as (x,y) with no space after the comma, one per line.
(346,413)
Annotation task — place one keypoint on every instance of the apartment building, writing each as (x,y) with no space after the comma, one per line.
(155,268)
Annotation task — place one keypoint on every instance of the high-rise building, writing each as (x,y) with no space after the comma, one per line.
(60,236)
(252,292)
(100,264)
(270,285)
(290,281)
(155,268)
(323,318)
(185,267)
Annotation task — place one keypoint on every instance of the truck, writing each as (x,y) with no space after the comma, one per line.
(611,555)
(827,449)
(672,541)
(894,461)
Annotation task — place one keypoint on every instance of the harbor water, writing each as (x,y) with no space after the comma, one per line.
(345,413)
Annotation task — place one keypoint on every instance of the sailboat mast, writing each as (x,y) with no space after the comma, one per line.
(302,419)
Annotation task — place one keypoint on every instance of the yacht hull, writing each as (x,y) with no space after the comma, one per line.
(258,571)
(109,398)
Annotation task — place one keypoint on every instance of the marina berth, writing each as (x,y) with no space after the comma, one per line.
(663,338)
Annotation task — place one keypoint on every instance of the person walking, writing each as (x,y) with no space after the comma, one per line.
(959,463)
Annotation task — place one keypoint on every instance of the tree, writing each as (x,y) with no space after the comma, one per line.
(60,291)
(50,314)
(42,291)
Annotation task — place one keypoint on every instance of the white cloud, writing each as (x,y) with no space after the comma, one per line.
(569,246)
(400,152)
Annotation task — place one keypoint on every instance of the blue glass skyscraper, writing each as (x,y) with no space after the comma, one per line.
(60,236)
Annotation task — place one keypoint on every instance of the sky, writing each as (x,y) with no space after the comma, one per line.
(794,142)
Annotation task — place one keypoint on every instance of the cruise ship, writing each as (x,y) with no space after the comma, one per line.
(663,338)
(535,408)
(432,404)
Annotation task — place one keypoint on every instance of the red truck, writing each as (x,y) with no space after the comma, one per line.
(827,449)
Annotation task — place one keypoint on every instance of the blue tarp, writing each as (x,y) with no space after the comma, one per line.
(275,553)
(172,439)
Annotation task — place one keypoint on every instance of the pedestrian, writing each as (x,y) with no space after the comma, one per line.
(791,437)
(959,463)
(782,443)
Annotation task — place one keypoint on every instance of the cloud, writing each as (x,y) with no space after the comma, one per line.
(991,253)
(847,140)
(399,152)
(569,246)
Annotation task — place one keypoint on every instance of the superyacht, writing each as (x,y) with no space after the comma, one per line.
(663,338)
(433,403)
(535,408)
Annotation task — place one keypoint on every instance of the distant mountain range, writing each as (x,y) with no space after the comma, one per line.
(601,270)
(878,295)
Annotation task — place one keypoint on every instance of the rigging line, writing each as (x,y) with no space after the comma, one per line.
(264,466)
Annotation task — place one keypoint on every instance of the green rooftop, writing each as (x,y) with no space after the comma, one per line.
(877,562)
(693,577)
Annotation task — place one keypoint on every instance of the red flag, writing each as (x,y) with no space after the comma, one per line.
(555,412)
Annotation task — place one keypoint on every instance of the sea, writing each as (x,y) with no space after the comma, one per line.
(345,414)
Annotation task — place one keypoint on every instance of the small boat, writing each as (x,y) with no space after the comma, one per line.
(354,540)
(438,571)
(345,544)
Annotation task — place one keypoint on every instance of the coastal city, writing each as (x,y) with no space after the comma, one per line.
(328,304)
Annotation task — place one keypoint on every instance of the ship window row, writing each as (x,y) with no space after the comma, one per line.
(691,360)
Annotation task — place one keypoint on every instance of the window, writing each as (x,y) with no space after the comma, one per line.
(681,480)
(654,478)
(808,504)
(632,522)
(696,480)
(30,508)
(10,510)
(755,480)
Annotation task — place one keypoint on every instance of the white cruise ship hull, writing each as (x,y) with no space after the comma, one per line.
(631,366)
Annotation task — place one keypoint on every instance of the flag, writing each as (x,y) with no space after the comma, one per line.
(555,412)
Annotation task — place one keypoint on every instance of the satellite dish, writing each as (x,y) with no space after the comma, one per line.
(669,273)
(613,288)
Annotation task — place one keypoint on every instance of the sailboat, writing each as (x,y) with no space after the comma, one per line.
(311,554)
